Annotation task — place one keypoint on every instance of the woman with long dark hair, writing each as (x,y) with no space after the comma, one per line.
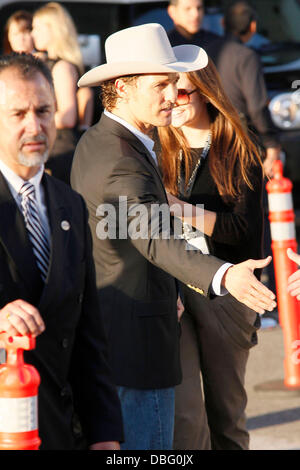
(212,167)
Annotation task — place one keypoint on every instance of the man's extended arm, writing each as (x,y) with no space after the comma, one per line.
(131,179)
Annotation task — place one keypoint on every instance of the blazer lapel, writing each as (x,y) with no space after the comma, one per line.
(118,129)
(58,214)
(13,235)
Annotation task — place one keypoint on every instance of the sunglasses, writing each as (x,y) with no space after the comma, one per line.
(183,96)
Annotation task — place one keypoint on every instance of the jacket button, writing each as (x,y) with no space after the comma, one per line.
(65,343)
(64,392)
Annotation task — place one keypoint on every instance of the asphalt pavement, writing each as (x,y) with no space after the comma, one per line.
(273,411)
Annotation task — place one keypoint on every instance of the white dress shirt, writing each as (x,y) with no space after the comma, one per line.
(15,183)
(149,144)
(144,138)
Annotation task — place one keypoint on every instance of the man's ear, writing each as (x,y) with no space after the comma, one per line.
(253,27)
(120,87)
(170,11)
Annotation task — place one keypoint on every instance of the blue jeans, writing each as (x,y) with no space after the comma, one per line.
(148,417)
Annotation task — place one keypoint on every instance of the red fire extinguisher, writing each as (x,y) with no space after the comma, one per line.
(19,384)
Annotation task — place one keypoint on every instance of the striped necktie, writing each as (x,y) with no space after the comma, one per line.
(36,232)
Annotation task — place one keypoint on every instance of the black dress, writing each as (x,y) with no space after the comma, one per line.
(60,160)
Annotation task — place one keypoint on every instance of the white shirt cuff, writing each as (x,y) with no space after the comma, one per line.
(216,282)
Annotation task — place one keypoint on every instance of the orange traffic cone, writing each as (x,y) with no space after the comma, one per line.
(283,234)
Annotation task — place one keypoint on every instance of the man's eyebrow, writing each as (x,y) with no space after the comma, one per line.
(44,106)
(166,81)
(17,108)
(41,106)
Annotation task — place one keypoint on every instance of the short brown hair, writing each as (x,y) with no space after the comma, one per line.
(109,94)
(238,17)
(26,65)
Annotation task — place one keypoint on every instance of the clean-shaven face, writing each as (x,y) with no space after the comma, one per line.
(188,14)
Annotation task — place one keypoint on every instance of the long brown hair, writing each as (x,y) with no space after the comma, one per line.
(232,152)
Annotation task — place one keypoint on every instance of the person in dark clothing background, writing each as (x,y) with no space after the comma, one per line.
(242,77)
(187,16)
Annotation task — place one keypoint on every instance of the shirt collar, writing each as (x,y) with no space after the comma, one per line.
(233,37)
(145,139)
(16,182)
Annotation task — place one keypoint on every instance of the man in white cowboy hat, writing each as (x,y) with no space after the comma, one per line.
(115,170)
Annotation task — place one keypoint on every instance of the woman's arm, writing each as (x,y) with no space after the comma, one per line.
(65,78)
(198,217)
(233,227)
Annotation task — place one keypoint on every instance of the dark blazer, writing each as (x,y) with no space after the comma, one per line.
(71,354)
(243,80)
(135,277)
(202,38)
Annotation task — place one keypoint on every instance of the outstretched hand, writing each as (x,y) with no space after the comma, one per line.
(242,284)
(294,279)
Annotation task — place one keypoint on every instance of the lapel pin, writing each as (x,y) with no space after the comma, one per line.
(65,225)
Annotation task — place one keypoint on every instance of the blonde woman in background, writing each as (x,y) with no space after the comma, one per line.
(54,32)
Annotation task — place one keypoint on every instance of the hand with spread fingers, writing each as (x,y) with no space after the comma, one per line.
(242,284)
(294,279)
(21,318)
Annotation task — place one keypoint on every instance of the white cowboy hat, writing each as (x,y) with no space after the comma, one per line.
(143,49)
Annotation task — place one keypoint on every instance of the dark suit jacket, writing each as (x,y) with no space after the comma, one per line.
(70,355)
(243,80)
(135,277)
(202,38)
